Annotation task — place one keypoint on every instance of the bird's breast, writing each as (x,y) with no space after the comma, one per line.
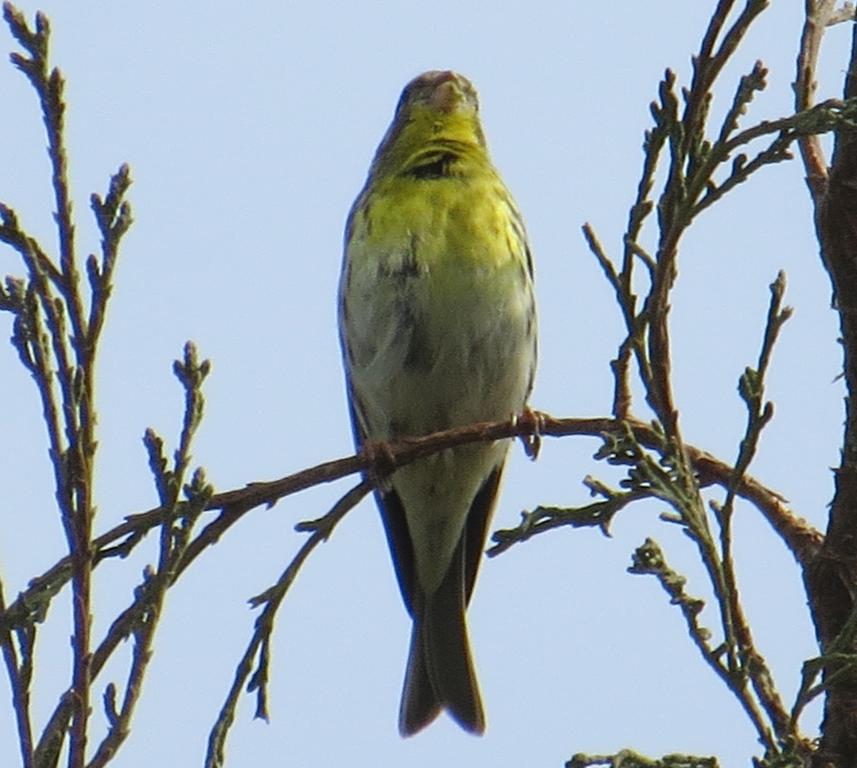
(439,309)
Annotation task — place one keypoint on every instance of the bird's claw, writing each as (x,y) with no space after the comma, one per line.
(535,422)
(380,462)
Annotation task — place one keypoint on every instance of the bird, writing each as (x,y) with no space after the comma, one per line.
(437,325)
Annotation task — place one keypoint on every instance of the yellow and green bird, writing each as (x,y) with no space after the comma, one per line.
(437,322)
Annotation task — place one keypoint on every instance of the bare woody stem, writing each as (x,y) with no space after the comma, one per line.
(64,356)
(800,537)
(831,576)
(56,340)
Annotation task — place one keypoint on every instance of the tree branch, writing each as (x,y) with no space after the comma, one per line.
(798,535)
(817,14)
(831,577)
(259,647)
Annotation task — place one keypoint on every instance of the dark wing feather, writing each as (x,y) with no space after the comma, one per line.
(393,515)
(476,531)
(401,547)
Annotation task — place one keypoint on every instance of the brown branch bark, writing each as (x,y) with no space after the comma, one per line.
(818,13)
(831,577)
(801,538)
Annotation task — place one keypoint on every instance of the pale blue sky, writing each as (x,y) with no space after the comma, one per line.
(249,132)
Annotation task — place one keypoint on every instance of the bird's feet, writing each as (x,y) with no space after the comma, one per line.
(380,463)
(534,421)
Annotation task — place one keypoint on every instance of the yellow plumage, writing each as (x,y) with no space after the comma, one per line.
(437,324)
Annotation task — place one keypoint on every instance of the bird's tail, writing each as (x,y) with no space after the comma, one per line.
(440,673)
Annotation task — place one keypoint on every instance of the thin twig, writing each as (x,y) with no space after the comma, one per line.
(259,647)
(799,536)
(191,372)
(817,16)
(51,333)
(649,559)
(18,682)
(759,413)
